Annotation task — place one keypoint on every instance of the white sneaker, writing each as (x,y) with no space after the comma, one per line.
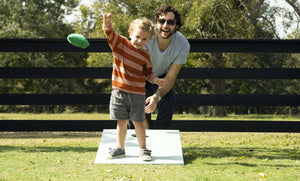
(145,154)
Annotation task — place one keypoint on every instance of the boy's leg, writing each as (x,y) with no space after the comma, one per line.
(121,133)
(146,125)
(145,154)
(121,136)
(140,133)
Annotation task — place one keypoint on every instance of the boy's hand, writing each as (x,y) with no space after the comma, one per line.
(107,20)
(160,82)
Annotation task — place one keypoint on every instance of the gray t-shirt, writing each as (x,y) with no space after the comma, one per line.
(176,52)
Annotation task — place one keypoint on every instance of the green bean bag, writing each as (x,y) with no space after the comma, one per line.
(78,40)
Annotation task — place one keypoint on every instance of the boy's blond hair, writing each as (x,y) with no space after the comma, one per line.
(142,23)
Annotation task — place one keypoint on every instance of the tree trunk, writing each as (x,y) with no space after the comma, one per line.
(219,88)
(219,85)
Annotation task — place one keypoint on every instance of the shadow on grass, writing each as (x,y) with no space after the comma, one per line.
(46,135)
(251,165)
(38,149)
(237,154)
(34,134)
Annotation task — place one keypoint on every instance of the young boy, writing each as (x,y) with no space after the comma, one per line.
(131,68)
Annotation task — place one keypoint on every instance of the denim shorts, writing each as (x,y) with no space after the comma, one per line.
(126,106)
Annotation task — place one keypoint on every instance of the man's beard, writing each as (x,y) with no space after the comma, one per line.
(160,31)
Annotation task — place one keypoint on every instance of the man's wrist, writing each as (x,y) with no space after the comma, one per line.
(158,96)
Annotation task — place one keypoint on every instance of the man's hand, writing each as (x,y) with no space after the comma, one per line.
(170,79)
(107,20)
(152,104)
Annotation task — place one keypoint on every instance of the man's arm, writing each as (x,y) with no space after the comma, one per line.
(163,90)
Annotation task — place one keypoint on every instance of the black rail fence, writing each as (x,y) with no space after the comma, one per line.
(100,45)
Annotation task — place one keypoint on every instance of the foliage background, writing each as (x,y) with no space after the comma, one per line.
(214,19)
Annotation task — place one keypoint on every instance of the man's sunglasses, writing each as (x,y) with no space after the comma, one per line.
(169,21)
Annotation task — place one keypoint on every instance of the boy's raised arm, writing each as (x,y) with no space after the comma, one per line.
(107,20)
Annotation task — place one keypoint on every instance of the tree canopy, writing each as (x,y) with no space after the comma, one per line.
(214,19)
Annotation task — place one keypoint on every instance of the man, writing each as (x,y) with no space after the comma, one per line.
(169,50)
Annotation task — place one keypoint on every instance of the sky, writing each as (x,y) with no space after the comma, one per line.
(76,12)
(283,4)
(279,3)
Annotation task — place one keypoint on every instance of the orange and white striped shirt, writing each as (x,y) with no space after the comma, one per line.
(131,66)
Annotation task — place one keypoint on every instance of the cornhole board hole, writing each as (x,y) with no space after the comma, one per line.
(165,145)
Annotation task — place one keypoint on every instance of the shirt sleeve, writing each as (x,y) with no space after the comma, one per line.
(182,54)
(112,37)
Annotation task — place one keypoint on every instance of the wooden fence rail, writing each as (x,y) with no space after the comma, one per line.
(100,45)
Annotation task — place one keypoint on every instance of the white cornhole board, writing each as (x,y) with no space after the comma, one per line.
(165,145)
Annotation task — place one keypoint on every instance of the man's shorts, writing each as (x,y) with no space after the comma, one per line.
(126,106)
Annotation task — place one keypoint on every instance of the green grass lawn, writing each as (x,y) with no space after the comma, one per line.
(207,156)
(101,116)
